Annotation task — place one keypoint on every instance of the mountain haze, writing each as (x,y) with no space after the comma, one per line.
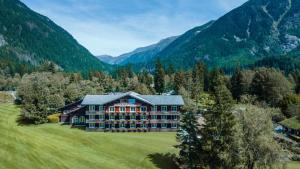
(139,55)
(27,37)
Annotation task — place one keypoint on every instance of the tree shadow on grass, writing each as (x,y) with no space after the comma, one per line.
(164,161)
(21,121)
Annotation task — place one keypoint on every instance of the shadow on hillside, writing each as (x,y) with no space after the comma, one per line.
(163,161)
(21,121)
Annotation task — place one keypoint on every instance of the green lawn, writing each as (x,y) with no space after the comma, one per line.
(56,146)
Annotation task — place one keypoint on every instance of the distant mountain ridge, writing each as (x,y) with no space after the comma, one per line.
(247,34)
(257,29)
(27,37)
(139,55)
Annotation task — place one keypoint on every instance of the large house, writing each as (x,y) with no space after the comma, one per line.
(125,112)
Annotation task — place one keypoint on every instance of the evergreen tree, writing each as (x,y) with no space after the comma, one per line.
(159,83)
(170,69)
(218,134)
(178,81)
(189,146)
(198,80)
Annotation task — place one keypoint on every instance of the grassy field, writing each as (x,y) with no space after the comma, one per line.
(56,146)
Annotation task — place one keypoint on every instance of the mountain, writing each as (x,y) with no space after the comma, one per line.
(139,55)
(107,59)
(247,34)
(29,38)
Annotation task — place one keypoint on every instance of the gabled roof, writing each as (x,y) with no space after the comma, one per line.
(150,99)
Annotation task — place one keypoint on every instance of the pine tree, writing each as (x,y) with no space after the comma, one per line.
(159,83)
(170,69)
(178,81)
(219,131)
(189,146)
(198,80)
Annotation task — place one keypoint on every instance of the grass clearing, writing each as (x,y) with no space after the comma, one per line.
(56,146)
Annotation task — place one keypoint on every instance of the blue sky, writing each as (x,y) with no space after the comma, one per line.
(115,27)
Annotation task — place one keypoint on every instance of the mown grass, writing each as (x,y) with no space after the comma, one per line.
(56,146)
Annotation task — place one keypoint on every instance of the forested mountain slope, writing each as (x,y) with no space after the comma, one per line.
(29,38)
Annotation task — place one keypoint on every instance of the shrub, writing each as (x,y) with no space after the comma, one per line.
(54,118)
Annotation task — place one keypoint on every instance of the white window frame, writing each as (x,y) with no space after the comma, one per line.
(154,108)
(101,108)
(75,120)
(103,125)
(143,125)
(174,125)
(166,117)
(153,116)
(92,107)
(122,115)
(132,108)
(154,125)
(81,119)
(122,125)
(166,125)
(113,109)
(92,125)
(132,124)
(161,108)
(174,117)
(112,115)
(122,108)
(145,107)
(92,115)
(101,117)
(133,115)
(144,117)
(176,108)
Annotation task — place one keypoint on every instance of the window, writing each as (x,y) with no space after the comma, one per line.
(81,119)
(122,125)
(174,125)
(154,125)
(143,125)
(122,109)
(132,109)
(101,117)
(174,108)
(122,117)
(163,125)
(164,117)
(144,117)
(131,101)
(132,125)
(174,117)
(75,120)
(154,117)
(123,101)
(143,109)
(113,125)
(111,109)
(164,108)
(101,108)
(91,117)
(154,108)
(91,108)
(92,125)
(101,125)
(132,116)
(111,117)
